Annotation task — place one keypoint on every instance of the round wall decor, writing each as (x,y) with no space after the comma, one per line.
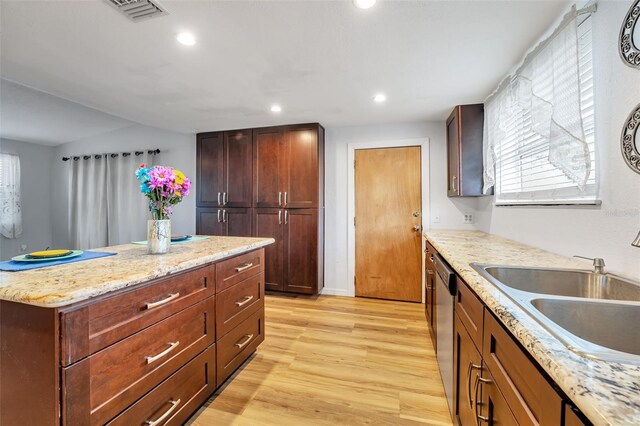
(630,143)
(630,37)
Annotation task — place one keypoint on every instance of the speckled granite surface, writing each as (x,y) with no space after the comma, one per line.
(608,393)
(65,284)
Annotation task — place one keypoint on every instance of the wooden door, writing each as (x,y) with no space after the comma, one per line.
(268,165)
(210,169)
(269,223)
(238,222)
(238,168)
(301,177)
(467,363)
(453,153)
(301,250)
(209,222)
(388,206)
(492,406)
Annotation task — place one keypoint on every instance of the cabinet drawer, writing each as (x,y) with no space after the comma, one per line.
(470,310)
(239,268)
(529,395)
(238,302)
(175,399)
(90,328)
(102,385)
(238,344)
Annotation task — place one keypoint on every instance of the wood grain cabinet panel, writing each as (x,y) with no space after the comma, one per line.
(237,303)
(224,222)
(464,151)
(268,166)
(530,396)
(102,385)
(301,179)
(92,326)
(493,409)
(238,168)
(174,400)
(236,269)
(236,346)
(301,250)
(209,169)
(470,309)
(467,366)
(268,223)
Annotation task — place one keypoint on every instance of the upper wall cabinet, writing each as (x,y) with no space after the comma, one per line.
(224,163)
(286,163)
(464,151)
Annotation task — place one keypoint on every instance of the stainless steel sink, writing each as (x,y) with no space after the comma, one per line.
(594,315)
(567,282)
(597,329)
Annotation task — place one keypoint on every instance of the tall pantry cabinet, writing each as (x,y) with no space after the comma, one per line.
(287,198)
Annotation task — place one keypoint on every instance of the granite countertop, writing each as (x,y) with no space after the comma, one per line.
(608,393)
(62,285)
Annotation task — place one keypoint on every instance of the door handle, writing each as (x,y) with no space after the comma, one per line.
(248,338)
(286,217)
(453,183)
(159,420)
(224,198)
(172,346)
(479,382)
(219,203)
(470,369)
(285,198)
(417,228)
(224,216)
(219,220)
(167,299)
(246,300)
(279,217)
(279,199)
(244,267)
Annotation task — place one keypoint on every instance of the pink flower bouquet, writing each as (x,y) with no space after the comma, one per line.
(164,186)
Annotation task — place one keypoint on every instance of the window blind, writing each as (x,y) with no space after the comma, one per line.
(524,173)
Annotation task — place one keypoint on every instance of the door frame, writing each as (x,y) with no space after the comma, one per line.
(423,143)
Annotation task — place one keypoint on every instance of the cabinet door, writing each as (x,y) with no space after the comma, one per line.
(268,166)
(467,365)
(453,153)
(301,250)
(209,222)
(238,222)
(268,223)
(238,168)
(493,408)
(210,169)
(301,177)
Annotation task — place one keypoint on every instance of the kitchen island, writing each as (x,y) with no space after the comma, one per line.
(130,338)
(608,393)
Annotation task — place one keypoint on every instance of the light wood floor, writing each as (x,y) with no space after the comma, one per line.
(333,360)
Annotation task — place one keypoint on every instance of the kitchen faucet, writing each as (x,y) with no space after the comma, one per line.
(636,242)
(598,263)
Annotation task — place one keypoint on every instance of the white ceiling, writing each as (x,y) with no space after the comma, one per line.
(321,60)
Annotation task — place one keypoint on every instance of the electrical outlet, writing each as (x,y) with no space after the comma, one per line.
(436,219)
(468,218)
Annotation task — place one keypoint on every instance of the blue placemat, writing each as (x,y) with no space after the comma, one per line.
(14,266)
(190,240)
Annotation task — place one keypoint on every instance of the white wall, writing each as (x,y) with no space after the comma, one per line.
(178,150)
(35,183)
(605,231)
(336,169)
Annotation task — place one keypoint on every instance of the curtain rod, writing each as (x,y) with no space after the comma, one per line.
(113,155)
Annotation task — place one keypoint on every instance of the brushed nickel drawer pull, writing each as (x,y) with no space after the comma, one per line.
(160,419)
(219,203)
(246,300)
(224,198)
(243,344)
(279,199)
(244,267)
(163,301)
(172,346)
(285,198)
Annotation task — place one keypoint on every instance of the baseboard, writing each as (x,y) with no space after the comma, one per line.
(336,292)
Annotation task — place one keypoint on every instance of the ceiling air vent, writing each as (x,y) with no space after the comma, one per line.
(138,10)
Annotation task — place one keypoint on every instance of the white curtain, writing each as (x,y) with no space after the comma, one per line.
(546,88)
(10,204)
(106,206)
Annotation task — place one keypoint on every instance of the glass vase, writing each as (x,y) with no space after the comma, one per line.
(158,236)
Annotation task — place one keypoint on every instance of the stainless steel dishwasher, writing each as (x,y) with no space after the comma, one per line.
(445,299)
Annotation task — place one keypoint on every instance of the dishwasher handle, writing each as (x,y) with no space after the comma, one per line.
(446,274)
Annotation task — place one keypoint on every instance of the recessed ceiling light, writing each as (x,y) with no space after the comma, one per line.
(379,98)
(186,38)
(276,108)
(364,4)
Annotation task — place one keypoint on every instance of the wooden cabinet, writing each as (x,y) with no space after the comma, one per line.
(293,265)
(288,169)
(150,353)
(464,151)
(224,169)
(492,408)
(430,293)
(467,368)
(287,179)
(224,221)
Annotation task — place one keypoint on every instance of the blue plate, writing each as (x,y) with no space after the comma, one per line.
(179,238)
(24,258)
